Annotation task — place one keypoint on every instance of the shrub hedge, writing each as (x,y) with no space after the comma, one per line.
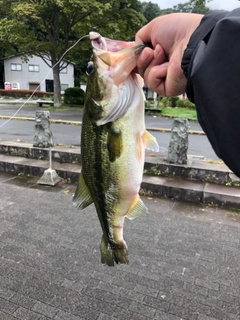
(74,95)
(185,103)
(173,102)
(170,102)
(24,93)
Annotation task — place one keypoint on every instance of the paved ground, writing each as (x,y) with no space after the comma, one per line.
(184,260)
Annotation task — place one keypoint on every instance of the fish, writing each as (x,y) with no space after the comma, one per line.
(113,142)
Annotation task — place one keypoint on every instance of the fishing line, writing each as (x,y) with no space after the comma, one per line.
(44,79)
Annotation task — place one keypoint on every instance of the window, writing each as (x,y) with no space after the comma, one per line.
(64,70)
(64,86)
(33,68)
(16,67)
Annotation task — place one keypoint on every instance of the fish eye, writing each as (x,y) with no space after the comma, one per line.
(90,68)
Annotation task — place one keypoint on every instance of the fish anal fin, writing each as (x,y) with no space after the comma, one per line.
(82,197)
(150,142)
(137,209)
(114,143)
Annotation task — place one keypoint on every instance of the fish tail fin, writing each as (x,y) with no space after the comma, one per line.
(111,255)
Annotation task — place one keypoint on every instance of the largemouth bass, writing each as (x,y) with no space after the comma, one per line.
(113,142)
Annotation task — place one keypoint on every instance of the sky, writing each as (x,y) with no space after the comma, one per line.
(214,4)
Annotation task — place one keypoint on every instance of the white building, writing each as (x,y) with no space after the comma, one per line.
(33,73)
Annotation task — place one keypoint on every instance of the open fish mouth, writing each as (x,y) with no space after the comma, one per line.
(114,58)
(105,44)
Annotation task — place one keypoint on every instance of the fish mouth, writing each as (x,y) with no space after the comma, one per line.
(110,45)
(115,59)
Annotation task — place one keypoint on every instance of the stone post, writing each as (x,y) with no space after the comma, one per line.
(43,133)
(43,138)
(178,145)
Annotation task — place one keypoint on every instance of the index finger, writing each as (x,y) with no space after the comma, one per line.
(144,34)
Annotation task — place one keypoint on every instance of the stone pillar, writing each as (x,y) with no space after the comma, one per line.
(43,133)
(178,145)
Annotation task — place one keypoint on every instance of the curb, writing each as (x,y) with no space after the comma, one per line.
(192,191)
(197,182)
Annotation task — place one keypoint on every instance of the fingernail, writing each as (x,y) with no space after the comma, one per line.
(157,51)
(145,55)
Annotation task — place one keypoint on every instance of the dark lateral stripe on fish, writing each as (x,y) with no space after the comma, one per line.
(99,181)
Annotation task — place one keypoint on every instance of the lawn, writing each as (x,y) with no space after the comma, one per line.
(179,113)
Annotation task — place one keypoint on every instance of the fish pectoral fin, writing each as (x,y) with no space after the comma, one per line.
(82,197)
(137,209)
(114,143)
(150,142)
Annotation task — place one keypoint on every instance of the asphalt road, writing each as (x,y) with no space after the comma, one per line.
(70,134)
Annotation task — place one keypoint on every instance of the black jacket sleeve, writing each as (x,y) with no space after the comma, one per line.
(211,63)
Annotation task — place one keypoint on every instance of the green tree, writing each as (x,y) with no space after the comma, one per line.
(194,6)
(48,28)
(150,10)
(199,6)
(183,7)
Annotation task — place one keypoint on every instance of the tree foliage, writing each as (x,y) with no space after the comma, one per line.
(48,28)
(199,6)
(150,10)
(194,6)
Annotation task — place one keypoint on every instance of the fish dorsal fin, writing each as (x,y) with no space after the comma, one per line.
(82,197)
(114,143)
(150,142)
(137,209)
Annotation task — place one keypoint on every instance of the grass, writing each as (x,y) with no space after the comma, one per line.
(179,113)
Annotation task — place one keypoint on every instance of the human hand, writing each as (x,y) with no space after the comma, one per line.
(161,67)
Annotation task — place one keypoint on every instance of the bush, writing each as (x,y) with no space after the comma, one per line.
(185,103)
(163,101)
(74,95)
(170,102)
(24,93)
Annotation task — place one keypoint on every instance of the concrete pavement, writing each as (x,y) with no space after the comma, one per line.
(184,260)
